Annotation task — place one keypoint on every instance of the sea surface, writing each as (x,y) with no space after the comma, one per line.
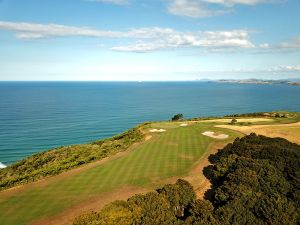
(36,116)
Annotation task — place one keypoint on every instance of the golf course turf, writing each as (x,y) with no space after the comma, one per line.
(165,155)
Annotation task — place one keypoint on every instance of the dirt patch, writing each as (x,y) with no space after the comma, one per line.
(157,130)
(196,177)
(148,137)
(94,204)
(290,131)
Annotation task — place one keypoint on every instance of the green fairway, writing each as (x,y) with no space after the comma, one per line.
(165,155)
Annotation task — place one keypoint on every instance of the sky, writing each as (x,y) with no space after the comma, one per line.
(149,40)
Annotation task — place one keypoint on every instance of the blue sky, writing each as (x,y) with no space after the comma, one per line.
(149,40)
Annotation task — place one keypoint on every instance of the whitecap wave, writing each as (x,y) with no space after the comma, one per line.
(2,165)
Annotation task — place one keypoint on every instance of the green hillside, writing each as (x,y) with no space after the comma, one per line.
(169,154)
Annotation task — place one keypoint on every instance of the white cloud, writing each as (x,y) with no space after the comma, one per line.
(291,70)
(207,8)
(288,46)
(241,2)
(207,39)
(147,39)
(116,2)
(192,8)
(34,31)
(294,43)
(286,68)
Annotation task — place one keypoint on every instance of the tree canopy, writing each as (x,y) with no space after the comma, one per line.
(177,117)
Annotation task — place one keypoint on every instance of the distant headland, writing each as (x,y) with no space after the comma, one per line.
(260,81)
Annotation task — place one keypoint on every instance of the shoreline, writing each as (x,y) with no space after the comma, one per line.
(2,166)
(264,117)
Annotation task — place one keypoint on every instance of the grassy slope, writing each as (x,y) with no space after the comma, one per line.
(56,161)
(169,154)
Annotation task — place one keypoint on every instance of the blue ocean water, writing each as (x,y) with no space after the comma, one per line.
(36,116)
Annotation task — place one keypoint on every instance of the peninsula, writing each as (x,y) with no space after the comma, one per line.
(65,182)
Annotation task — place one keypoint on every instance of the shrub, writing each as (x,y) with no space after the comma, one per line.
(177,117)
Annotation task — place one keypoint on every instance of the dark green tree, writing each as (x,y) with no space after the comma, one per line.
(177,117)
(233,121)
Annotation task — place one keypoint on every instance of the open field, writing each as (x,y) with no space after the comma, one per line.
(173,153)
(290,132)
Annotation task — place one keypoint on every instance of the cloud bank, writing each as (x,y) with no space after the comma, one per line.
(145,39)
(152,38)
(207,8)
(234,39)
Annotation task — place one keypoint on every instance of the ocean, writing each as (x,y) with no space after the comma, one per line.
(36,116)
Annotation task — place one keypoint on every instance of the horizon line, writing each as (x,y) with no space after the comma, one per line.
(195,80)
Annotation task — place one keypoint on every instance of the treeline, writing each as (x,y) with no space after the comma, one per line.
(256,180)
(255,114)
(261,114)
(60,159)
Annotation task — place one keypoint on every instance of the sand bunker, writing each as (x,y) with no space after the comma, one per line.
(157,130)
(2,165)
(183,124)
(213,135)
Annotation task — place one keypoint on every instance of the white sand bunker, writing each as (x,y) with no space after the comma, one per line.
(184,125)
(157,130)
(213,135)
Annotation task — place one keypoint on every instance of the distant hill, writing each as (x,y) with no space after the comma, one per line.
(260,81)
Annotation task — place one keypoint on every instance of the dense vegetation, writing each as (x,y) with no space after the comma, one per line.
(285,116)
(177,117)
(163,206)
(256,181)
(265,114)
(63,158)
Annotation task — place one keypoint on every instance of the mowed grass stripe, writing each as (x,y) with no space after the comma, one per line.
(168,154)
